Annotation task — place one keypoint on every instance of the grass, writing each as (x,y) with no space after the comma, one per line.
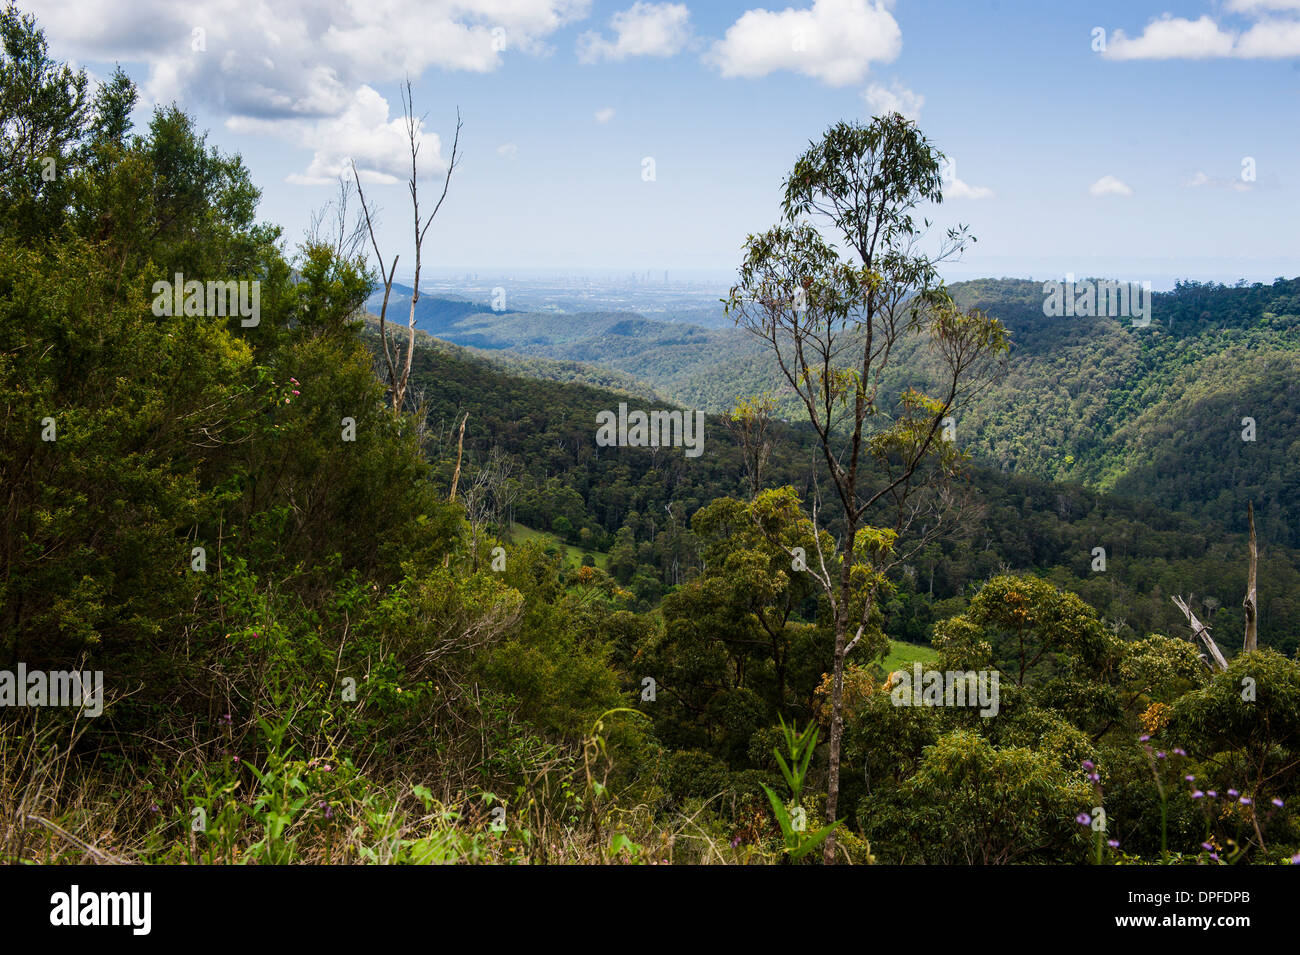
(902,655)
(57,809)
(572,553)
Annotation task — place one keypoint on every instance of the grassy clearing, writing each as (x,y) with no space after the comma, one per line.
(902,655)
(571,553)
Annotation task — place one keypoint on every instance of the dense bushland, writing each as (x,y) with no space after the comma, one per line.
(310,653)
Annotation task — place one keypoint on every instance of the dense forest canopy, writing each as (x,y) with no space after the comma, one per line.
(1151,413)
(463,630)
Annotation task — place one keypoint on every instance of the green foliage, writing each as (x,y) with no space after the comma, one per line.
(344,674)
(792,817)
(972,803)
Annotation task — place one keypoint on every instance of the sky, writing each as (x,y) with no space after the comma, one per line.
(1130,139)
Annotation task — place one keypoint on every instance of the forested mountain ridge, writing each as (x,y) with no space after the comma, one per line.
(1196,411)
(545,369)
(637,503)
(689,364)
(1152,413)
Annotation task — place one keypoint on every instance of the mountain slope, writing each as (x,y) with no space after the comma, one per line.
(636,503)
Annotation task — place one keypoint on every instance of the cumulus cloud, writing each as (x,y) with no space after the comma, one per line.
(957,189)
(1173,37)
(364,133)
(1270,39)
(643,29)
(300,69)
(895,98)
(508,151)
(834,41)
(1257,6)
(1110,186)
(605,114)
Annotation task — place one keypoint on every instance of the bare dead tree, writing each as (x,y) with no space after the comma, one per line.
(398,362)
(460,450)
(488,495)
(334,226)
(1202,631)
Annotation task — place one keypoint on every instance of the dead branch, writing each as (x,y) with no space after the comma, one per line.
(1202,631)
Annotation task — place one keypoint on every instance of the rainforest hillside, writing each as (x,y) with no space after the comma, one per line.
(1155,413)
(278,588)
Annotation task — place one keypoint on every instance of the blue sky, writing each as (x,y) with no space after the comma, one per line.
(1126,161)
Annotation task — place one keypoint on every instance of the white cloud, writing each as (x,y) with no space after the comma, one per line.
(363,134)
(306,67)
(1270,39)
(834,41)
(956,189)
(643,29)
(1170,38)
(1257,6)
(1110,186)
(896,98)
(1179,38)
(508,151)
(605,115)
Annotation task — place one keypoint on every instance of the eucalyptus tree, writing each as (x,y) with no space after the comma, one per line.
(833,322)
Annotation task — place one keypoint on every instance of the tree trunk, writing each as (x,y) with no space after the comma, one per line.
(460,448)
(1252,613)
(837,733)
(1203,632)
(837,692)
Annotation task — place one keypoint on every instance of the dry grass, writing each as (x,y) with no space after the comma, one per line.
(60,805)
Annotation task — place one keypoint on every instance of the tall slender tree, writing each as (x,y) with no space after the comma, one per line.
(833,323)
